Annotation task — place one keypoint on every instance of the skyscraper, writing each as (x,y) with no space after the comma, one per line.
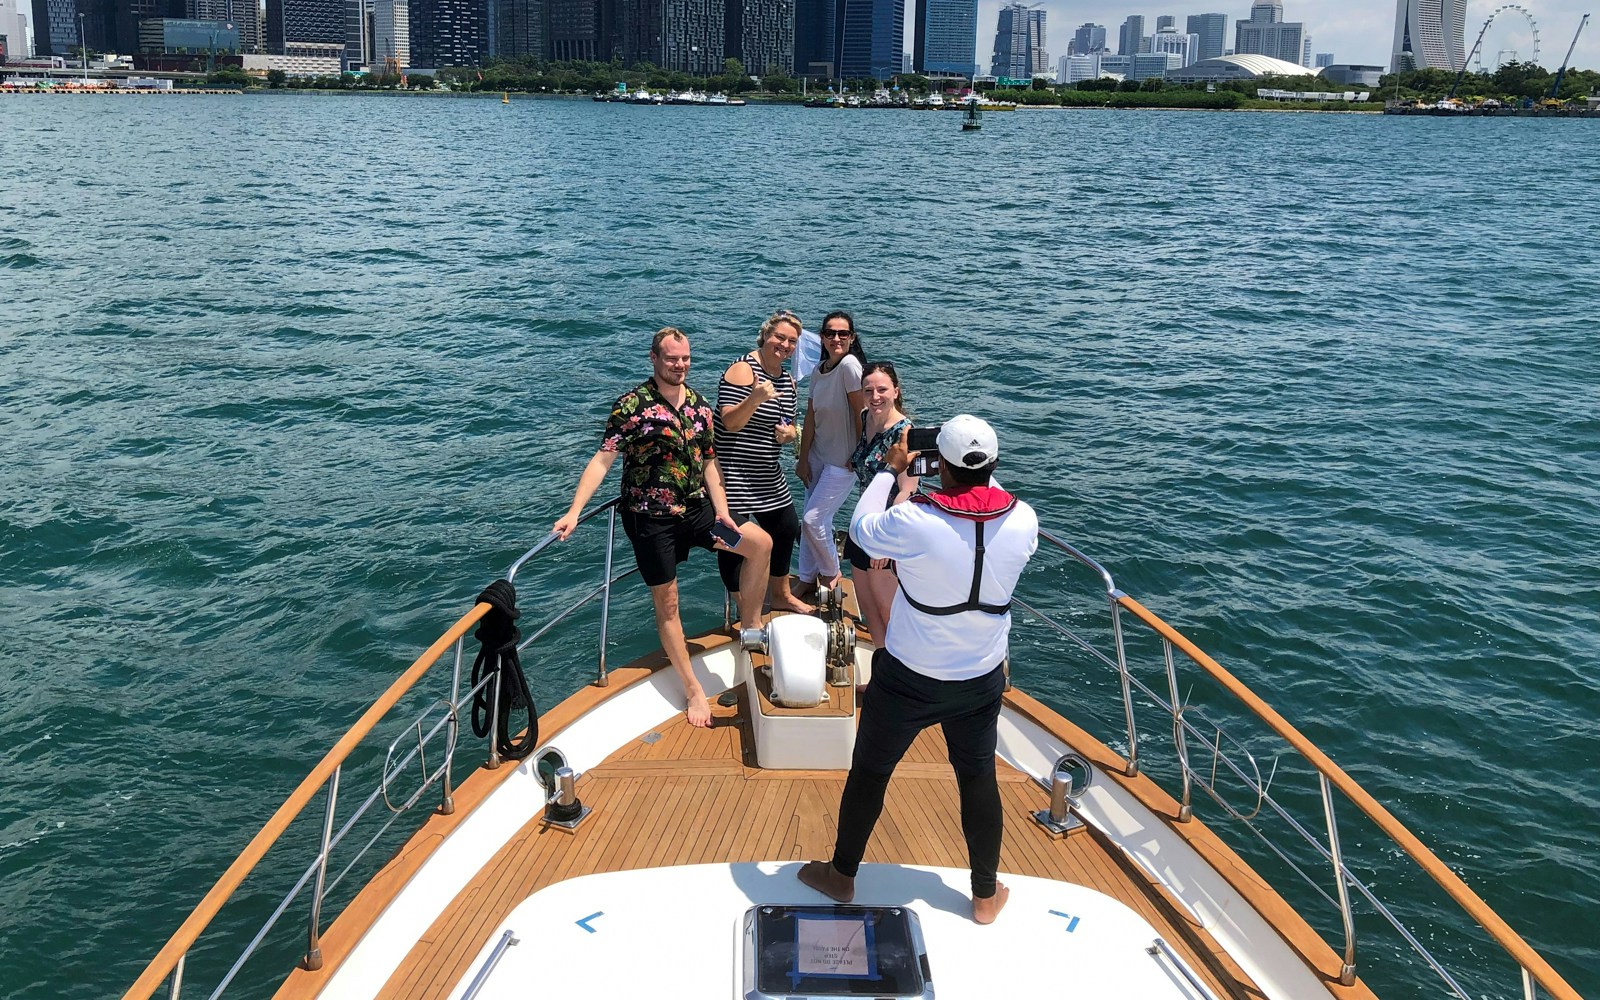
(1019,44)
(684,36)
(1324,60)
(1089,39)
(14,27)
(519,28)
(1266,33)
(760,34)
(1213,32)
(355,34)
(574,30)
(1165,22)
(244,15)
(1169,40)
(1428,34)
(295,26)
(391,34)
(872,35)
(946,36)
(1131,36)
(55,27)
(816,37)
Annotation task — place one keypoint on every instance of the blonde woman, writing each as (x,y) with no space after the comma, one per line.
(754,420)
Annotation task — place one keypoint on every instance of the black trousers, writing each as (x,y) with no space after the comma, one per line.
(899,704)
(783,526)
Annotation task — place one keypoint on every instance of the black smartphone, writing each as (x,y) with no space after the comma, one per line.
(922,439)
(726,535)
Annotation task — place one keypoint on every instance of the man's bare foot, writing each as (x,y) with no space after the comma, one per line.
(699,712)
(823,877)
(985,910)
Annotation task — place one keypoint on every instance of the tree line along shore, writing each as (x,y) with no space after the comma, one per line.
(1511,82)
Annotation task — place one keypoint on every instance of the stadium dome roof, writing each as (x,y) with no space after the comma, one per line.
(1257,66)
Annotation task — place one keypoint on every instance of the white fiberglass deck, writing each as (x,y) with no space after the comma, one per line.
(676,933)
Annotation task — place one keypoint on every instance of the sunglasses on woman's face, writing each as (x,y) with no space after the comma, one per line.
(837,333)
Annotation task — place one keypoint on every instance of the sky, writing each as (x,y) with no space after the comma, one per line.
(1355,31)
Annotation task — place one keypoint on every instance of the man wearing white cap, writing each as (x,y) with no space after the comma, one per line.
(959,552)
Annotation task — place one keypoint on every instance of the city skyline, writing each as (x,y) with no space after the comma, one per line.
(1359,31)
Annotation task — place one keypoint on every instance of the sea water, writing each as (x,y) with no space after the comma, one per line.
(286,380)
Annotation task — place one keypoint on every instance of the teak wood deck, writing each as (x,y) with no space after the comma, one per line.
(691,796)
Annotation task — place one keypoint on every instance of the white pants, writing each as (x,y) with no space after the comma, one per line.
(819,556)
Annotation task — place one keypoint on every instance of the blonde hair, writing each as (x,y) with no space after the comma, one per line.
(776,320)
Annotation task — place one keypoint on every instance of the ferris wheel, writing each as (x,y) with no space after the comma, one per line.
(1514,11)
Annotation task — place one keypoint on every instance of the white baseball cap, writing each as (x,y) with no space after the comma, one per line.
(968,442)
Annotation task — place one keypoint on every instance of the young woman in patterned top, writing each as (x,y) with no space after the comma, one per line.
(883,424)
(754,420)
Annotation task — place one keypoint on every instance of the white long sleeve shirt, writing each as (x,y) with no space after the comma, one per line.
(934,553)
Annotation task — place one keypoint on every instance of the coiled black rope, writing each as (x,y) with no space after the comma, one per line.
(498,636)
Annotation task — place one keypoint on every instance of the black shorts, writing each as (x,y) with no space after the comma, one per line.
(661,543)
(857,556)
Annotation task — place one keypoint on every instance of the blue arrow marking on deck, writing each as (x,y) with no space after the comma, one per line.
(584,923)
(1072,922)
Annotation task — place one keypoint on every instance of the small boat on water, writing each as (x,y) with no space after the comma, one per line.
(604,848)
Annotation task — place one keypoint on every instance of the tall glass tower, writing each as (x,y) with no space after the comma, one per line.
(873,36)
(946,37)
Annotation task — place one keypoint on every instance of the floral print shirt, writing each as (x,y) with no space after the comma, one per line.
(867,459)
(664,449)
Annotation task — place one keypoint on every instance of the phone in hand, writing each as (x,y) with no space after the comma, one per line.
(726,535)
(922,439)
(924,465)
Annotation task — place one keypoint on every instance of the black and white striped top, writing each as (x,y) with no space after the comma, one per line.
(748,457)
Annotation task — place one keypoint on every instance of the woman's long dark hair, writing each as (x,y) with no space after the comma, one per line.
(855,338)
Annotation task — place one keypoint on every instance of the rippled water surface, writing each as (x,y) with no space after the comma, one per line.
(286,379)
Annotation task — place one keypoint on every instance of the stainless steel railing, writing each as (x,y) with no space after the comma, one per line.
(439,721)
(1190,727)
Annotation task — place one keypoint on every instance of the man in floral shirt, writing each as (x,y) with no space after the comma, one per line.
(671,496)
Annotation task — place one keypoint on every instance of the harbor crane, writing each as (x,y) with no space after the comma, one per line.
(1555,88)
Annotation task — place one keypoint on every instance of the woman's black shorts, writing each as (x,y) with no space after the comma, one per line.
(661,543)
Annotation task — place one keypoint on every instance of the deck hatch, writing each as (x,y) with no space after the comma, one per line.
(796,952)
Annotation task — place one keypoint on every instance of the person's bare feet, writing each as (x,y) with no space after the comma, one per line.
(795,604)
(823,877)
(985,910)
(699,712)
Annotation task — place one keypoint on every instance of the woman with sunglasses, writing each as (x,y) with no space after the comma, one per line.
(883,425)
(832,427)
(754,419)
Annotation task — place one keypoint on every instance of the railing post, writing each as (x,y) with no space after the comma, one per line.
(1530,989)
(1185,808)
(494,719)
(1347,973)
(455,674)
(175,983)
(1127,689)
(313,960)
(605,597)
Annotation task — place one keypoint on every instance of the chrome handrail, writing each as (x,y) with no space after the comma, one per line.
(333,834)
(1331,851)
